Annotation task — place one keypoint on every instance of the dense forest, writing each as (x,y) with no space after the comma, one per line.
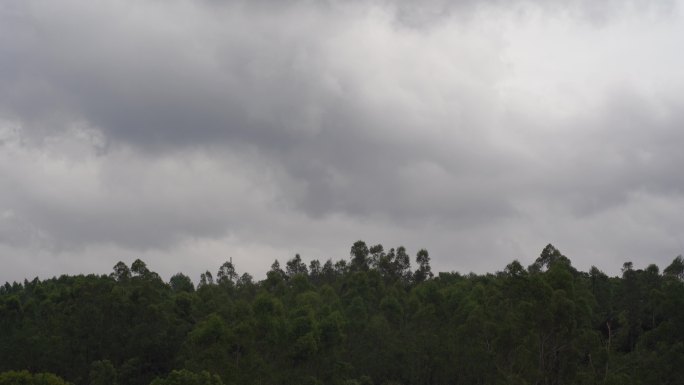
(369,319)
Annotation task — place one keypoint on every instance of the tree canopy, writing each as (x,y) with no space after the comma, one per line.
(366,319)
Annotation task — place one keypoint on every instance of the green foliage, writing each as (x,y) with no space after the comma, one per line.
(359,253)
(424,271)
(676,269)
(181,282)
(368,319)
(26,378)
(227,273)
(185,377)
(102,373)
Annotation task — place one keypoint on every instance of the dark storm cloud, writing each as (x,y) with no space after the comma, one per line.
(182,74)
(243,83)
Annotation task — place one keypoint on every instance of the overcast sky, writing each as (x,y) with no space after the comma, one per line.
(187,132)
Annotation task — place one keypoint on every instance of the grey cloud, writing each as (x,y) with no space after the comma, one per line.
(67,202)
(175,121)
(186,75)
(628,146)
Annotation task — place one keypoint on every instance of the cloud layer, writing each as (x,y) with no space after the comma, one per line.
(188,132)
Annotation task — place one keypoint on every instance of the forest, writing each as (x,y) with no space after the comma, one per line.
(367,319)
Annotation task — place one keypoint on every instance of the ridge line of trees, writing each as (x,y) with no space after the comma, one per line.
(369,319)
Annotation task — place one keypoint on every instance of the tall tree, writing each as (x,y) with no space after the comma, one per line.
(295,266)
(181,282)
(227,274)
(402,264)
(121,272)
(676,268)
(424,271)
(359,253)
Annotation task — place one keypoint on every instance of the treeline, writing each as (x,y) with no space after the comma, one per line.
(370,319)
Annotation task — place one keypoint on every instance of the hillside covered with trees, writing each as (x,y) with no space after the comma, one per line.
(370,319)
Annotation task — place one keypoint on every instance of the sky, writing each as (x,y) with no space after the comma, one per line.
(189,132)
